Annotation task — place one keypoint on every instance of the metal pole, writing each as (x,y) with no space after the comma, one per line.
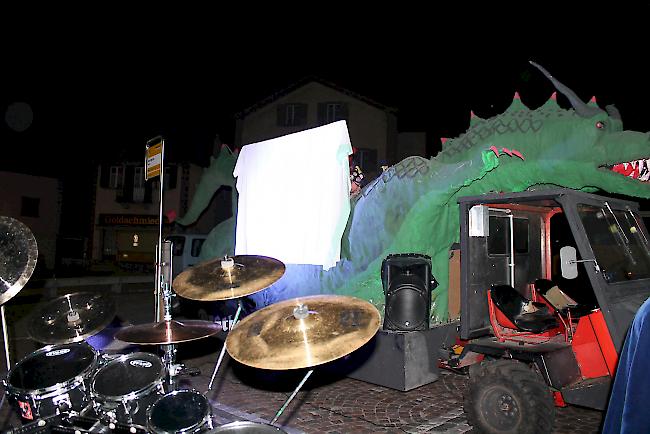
(293,395)
(5,336)
(160,227)
(223,349)
(169,351)
(156,292)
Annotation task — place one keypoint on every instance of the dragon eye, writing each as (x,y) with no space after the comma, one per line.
(600,125)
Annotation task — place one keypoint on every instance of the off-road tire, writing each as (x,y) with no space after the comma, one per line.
(508,397)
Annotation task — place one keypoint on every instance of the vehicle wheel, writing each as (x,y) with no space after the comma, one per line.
(506,396)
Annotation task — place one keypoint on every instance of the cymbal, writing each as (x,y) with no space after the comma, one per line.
(167,332)
(227,278)
(18,255)
(71,318)
(303,332)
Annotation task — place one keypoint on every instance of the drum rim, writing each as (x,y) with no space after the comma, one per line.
(58,388)
(206,417)
(136,394)
(245,423)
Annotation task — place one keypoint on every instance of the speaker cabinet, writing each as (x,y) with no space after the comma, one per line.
(407,283)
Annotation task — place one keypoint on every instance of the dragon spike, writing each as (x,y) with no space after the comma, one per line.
(592,102)
(516,105)
(582,109)
(473,119)
(550,103)
(443,140)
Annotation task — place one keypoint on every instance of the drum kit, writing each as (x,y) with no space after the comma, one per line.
(68,383)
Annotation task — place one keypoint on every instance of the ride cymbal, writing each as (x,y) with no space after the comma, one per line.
(71,318)
(303,332)
(227,278)
(167,332)
(18,255)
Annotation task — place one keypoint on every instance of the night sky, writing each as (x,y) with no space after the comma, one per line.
(97,93)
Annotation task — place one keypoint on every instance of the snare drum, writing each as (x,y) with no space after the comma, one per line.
(124,387)
(53,379)
(180,412)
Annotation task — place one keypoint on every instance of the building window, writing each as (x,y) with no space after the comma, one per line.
(334,111)
(29,206)
(329,112)
(138,184)
(138,177)
(366,159)
(117,177)
(292,115)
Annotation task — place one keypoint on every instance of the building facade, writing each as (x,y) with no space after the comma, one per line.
(315,102)
(36,202)
(126,210)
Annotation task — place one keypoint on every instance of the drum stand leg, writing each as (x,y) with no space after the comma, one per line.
(5,336)
(223,349)
(169,357)
(293,395)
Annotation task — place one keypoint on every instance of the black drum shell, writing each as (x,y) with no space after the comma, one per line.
(126,386)
(180,412)
(43,378)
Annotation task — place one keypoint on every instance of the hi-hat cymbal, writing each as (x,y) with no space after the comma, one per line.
(71,318)
(227,278)
(18,255)
(167,332)
(303,332)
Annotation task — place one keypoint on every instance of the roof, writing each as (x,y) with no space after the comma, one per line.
(303,82)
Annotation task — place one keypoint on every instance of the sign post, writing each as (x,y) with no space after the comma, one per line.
(154,163)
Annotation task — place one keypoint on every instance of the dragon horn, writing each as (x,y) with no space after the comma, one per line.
(580,107)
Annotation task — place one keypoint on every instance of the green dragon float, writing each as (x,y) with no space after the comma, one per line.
(412,207)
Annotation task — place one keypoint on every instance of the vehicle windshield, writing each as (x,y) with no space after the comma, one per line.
(619,241)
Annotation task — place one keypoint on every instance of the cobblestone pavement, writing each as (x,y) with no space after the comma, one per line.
(328,403)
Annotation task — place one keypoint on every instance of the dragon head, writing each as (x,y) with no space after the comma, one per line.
(594,143)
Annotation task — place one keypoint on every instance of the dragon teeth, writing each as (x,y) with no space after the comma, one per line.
(637,169)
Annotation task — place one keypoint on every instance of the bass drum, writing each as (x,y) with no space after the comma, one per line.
(126,386)
(51,380)
(247,428)
(180,412)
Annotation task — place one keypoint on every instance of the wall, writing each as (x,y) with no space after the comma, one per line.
(368,125)
(45,227)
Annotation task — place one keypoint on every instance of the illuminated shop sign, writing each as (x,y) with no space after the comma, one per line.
(129,220)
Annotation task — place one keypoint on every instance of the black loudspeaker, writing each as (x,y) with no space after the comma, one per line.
(407,283)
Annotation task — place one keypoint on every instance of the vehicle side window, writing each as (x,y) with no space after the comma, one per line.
(521,235)
(196,246)
(499,239)
(496,242)
(178,243)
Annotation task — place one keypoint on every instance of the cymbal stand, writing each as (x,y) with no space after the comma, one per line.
(223,349)
(5,336)
(293,395)
(169,350)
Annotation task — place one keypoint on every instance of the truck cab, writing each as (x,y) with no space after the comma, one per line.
(550,283)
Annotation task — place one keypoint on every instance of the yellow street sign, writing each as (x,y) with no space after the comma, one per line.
(153,158)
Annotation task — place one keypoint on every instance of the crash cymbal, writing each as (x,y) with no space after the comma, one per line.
(227,278)
(167,332)
(71,318)
(303,332)
(18,255)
